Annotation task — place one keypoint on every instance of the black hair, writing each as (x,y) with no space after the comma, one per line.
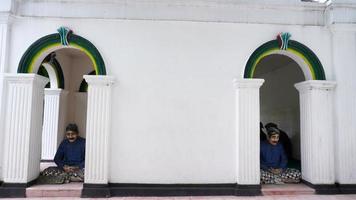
(72,127)
(269,125)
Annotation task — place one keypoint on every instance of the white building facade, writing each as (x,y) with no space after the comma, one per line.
(169,94)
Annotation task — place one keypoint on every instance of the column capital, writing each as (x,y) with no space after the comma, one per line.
(99,79)
(315,85)
(26,78)
(248,83)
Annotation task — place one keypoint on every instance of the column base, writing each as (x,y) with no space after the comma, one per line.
(95,190)
(11,190)
(248,190)
(323,188)
(347,188)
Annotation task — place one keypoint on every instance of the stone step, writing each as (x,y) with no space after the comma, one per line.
(55,190)
(287,189)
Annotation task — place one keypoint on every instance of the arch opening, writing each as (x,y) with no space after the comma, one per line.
(279,101)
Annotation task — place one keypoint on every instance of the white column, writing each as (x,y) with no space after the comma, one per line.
(5,24)
(344,62)
(248,131)
(22,127)
(98,129)
(316,127)
(53,122)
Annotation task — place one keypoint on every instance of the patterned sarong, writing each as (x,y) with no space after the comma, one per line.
(287,176)
(55,175)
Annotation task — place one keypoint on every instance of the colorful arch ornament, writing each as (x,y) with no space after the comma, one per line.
(305,58)
(36,53)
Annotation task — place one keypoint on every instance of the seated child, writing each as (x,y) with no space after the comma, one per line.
(274,161)
(70,159)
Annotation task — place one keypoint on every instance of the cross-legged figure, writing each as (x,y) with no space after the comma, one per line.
(69,158)
(273,161)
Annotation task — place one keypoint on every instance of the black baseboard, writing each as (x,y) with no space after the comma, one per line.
(95,191)
(122,190)
(347,188)
(12,190)
(248,190)
(323,188)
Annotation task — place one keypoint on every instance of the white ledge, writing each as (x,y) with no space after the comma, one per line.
(315,84)
(22,77)
(99,79)
(248,83)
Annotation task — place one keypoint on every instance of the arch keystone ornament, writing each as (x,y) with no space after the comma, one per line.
(64,33)
(283,39)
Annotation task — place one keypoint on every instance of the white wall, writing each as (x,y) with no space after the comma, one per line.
(280,101)
(173,106)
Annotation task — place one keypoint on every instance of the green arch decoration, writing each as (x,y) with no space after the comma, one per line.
(47,42)
(294,47)
(84,85)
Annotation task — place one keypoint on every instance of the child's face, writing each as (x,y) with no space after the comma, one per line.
(71,136)
(273,139)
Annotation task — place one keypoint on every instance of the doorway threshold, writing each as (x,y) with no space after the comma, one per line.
(286,189)
(73,189)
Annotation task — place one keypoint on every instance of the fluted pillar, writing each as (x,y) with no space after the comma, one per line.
(53,122)
(5,26)
(22,127)
(248,131)
(317,129)
(98,129)
(344,61)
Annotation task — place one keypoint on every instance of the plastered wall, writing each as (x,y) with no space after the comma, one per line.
(173,103)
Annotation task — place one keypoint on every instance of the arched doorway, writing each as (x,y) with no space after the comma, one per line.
(315,117)
(63,104)
(67,57)
(24,103)
(279,100)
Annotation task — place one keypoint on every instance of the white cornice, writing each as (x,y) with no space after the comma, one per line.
(341,13)
(243,11)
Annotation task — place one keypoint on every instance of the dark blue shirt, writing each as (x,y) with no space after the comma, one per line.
(71,153)
(272,156)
